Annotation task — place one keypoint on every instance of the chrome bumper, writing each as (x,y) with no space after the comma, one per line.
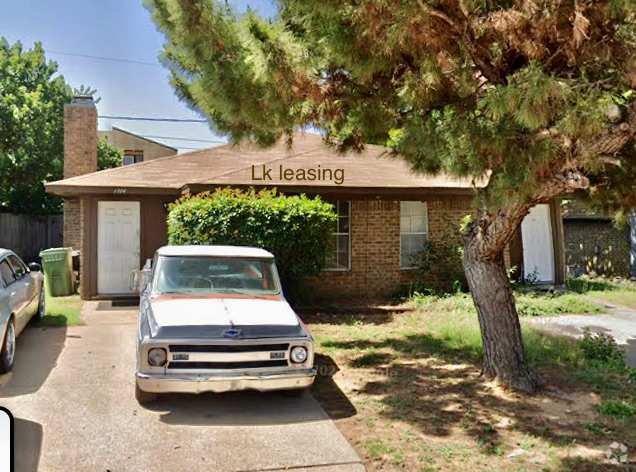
(160,383)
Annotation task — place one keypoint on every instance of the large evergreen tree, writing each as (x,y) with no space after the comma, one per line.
(32,98)
(529,98)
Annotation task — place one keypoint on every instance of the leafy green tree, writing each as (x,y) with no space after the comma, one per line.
(531,99)
(107,155)
(32,98)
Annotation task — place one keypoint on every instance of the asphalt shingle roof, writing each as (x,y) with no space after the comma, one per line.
(232,165)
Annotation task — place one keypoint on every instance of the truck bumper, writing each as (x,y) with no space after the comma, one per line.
(159,383)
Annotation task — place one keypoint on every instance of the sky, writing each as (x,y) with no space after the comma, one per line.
(5,443)
(117,29)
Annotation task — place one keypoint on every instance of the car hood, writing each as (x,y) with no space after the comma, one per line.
(212,317)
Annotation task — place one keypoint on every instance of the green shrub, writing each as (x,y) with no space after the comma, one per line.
(296,229)
(546,305)
(586,284)
(617,408)
(440,260)
(601,347)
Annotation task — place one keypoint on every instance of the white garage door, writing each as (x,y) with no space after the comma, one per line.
(538,249)
(117,246)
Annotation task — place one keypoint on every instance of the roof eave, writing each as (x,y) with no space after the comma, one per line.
(341,190)
(65,190)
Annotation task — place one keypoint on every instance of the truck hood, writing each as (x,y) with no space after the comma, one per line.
(211,317)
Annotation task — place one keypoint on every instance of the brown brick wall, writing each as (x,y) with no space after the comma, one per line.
(375,247)
(72,223)
(581,237)
(80,139)
(80,157)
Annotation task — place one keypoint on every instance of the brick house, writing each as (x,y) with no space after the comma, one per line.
(594,245)
(117,217)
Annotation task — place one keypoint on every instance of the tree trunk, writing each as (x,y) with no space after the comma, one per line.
(504,353)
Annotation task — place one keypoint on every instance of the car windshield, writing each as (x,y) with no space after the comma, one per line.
(216,275)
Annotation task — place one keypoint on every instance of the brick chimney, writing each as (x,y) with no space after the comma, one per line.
(80,157)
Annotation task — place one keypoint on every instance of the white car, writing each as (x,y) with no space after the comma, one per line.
(21,297)
(214,319)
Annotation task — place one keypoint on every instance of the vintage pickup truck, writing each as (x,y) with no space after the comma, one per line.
(214,319)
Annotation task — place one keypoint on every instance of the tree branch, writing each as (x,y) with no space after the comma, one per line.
(479,56)
(439,14)
(615,140)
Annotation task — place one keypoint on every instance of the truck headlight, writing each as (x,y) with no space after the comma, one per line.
(157,356)
(298,354)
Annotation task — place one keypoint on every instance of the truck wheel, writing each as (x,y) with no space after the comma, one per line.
(144,397)
(7,354)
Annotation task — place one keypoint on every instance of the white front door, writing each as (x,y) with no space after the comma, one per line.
(117,246)
(538,250)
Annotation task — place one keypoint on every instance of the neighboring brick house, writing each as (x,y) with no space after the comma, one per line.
(117,217)
(594,245)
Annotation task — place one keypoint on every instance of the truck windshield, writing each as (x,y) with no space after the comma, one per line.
(216,275)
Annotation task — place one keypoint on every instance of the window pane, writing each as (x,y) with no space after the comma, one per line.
(418,224)
(416,242)
(139,158)
(340,240)
(331,259)
(413,231)
(405,224)
(343,243)
(410,208)
(343,208)
(405,260)
(18,267)
(343,260)
(128,160)
(411,246)
(6,273)
(343,224)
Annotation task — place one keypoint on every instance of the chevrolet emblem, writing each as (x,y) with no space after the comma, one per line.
(232,333)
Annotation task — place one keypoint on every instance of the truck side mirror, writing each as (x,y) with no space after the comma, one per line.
(139,280)
(135,279)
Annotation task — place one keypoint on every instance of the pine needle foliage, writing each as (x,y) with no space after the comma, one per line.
(518,94)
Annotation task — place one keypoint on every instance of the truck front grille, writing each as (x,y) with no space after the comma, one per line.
(227,347)
(227,356)
(227,365)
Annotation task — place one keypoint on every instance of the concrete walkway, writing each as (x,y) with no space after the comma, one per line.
(619,321)
(72,393)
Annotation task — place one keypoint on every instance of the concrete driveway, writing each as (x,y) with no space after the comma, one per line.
(72,394)
(619,321)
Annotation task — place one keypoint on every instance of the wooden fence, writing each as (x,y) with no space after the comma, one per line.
(28,235)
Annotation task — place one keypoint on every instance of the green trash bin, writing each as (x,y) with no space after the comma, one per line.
(57,264)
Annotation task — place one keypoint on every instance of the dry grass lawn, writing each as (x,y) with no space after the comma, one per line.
(403,385)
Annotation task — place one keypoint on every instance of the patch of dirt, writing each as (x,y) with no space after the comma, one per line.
(430,416)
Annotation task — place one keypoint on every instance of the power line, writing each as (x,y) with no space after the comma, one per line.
(102,58)
(183,139)
(143,118)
